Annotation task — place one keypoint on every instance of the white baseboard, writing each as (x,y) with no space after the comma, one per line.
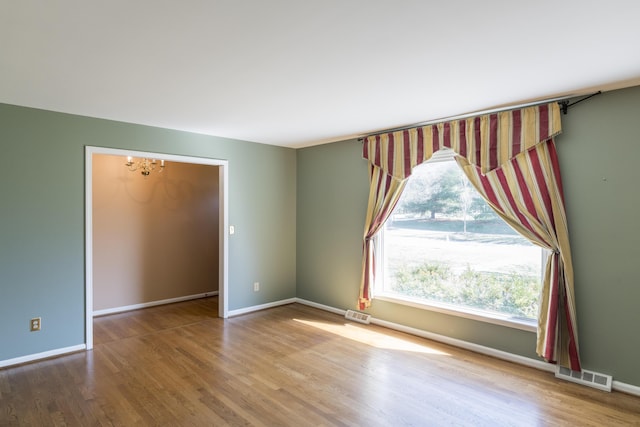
(114,310)
(321,306)
(261,307)
(499,354)
(43,355)
(625,388)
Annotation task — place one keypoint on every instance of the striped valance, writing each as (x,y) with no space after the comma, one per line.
(487,141)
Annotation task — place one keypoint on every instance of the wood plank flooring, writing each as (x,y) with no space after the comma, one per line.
(180,365)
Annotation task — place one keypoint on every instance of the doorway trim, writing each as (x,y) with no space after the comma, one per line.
(223,249)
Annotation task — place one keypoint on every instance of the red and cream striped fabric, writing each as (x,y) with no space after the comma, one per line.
(384,193)
(510,157)
(487,141)
(527,193)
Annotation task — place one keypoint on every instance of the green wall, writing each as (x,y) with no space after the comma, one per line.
(299,218)
(598,150)
(42,219)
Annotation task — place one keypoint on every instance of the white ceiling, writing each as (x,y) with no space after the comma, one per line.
(297,73)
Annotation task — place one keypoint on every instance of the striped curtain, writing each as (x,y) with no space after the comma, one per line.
(487,141)
(527,193)
(384,193)
(510,158)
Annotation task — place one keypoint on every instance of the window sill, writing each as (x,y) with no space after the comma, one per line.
(468,313)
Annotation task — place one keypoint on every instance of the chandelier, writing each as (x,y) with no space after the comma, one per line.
(144,165)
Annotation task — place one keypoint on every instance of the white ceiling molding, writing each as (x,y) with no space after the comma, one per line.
(295,74)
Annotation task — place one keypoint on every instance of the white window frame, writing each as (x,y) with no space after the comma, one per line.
(454,310)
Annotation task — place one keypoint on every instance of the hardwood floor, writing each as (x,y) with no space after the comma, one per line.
(180,365)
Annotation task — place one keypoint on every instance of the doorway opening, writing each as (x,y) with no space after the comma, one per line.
(182,161)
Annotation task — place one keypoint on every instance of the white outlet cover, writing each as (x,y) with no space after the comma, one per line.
(232,229)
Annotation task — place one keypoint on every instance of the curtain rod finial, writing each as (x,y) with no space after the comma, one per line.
(564,105)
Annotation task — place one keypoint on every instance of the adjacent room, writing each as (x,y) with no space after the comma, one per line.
(342,213)
(155,237)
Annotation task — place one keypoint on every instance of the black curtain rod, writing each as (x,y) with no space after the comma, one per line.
(564,105)
(562,101)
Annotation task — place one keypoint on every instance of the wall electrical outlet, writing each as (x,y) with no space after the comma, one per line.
(35,324)
(256,286)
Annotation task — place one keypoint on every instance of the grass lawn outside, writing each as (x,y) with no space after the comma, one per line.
(501,251)
(506,268)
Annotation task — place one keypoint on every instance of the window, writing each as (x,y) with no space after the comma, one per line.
(445,248)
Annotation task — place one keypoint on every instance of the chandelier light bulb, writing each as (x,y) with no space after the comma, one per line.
(144,165)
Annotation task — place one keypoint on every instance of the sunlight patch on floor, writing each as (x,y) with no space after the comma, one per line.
(375,339)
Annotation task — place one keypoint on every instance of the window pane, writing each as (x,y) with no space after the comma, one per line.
(443,243)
